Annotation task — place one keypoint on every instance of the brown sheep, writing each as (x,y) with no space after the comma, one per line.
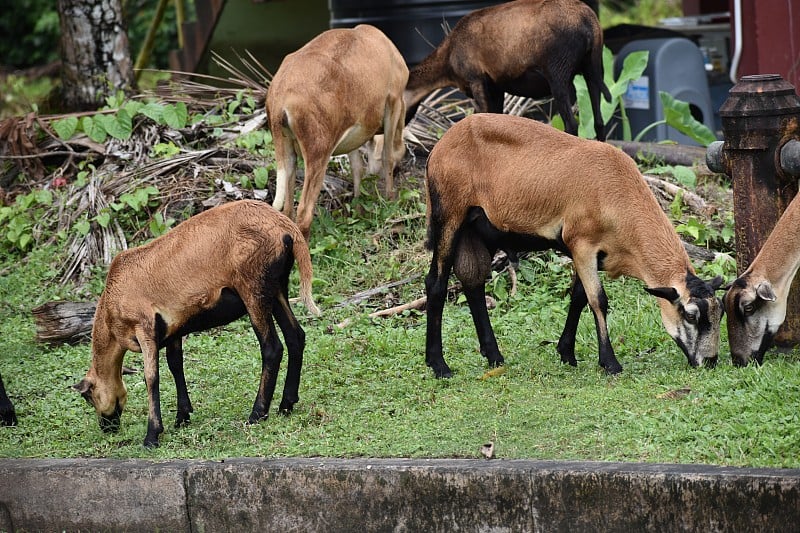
(505,182)
(531,48)
(213,268)
(328,98)
(756,301)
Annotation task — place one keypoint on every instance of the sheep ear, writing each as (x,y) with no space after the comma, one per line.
(85,388)
(765,292)
(716,283)
(668,293)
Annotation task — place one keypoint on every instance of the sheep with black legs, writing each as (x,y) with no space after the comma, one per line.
(515,184)
(531,48)
(211,269)
(756,301)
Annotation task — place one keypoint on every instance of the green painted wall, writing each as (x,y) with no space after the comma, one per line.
(269,30)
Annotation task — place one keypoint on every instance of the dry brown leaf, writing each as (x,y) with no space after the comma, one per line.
(499,371)
(676,394)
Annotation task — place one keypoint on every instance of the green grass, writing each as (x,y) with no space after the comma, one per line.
(366,391)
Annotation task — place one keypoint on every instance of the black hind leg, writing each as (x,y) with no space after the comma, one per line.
(175,363)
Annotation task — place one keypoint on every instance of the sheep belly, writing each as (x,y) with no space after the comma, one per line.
(512,241)
(353,139)
(228,307)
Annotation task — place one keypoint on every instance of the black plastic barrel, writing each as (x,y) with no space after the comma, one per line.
(414,26)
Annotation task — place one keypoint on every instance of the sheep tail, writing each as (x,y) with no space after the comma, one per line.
(303,258)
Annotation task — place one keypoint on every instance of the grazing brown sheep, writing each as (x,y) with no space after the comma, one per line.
(213,268)
(515,184)
(756,301)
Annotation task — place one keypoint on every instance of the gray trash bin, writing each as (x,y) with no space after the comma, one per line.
(675,66)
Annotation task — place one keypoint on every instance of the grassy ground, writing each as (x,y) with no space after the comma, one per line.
(366,391)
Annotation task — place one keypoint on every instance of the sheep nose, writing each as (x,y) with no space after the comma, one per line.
(109,424)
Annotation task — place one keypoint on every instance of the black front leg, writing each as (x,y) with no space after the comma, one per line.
(488,97)
(606,358)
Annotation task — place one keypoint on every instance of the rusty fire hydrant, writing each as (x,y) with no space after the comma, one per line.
(761,154)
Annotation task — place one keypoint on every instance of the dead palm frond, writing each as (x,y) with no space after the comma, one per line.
(444,107)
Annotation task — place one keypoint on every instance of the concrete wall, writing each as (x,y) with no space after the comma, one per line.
(392,495)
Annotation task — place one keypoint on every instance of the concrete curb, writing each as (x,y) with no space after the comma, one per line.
(306,494)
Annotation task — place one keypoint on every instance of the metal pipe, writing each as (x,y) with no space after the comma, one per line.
(790,158)
(737,32)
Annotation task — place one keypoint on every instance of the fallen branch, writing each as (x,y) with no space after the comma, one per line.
(369,293)
(64,322)
(694,201)
(671,154)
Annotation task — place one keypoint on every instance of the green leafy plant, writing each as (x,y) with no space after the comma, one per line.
(18,220)
(633,67)
(164,150)
(158,225)
(117,120)
(707,234)
(682,174)
(677,113)
(131,212)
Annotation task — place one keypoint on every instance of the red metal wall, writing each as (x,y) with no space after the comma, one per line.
(770,38)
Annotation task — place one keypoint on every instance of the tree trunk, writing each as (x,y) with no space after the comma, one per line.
(96,58)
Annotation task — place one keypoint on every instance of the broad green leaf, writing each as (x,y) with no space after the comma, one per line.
(678,115)
(65,128)
(118,126)
(94,129)
(632,68)
(44,197)
(123,125)
(154,112)
(104,219)
(175,115)
(132,107)
(260,177)
(83,227)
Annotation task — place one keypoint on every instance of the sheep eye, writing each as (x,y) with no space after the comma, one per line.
(690,316)
(748,308)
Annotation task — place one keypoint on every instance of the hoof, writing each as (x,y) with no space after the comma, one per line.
(256,418)
(567,355)
(182,420)
(441,370)
(150,443)
(612,369)
(569,359)
(8,418)
(496,362)
(286,407)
